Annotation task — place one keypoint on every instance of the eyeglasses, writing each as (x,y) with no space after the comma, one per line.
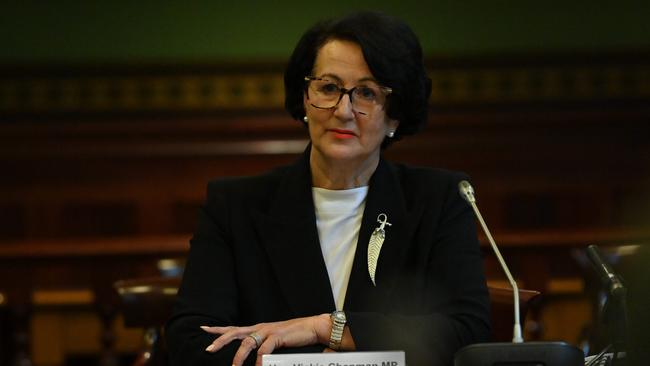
(324,93)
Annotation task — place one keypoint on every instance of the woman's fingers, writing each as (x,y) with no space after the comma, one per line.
(227,335)
(265,337)
(214,330)
(248,344)
(223,330)
(267,347)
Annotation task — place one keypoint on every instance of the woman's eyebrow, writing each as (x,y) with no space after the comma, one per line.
(368,78)
(331,76)
(338,79)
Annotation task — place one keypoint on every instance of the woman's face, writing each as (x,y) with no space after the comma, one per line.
(342,133)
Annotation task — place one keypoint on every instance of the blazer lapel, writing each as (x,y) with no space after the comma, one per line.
(289,234)
(385,196)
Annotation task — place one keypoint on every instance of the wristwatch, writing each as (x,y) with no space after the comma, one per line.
(338,323)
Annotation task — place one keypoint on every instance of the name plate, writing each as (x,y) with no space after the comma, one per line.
(390,358)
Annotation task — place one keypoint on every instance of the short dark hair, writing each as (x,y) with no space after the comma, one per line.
(393,54)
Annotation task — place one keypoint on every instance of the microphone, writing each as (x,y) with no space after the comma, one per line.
(467,192)
(515,353)
(607,276)
(615,308)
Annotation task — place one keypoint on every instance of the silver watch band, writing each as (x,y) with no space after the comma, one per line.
(338,324)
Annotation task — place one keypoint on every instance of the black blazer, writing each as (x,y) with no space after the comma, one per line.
(255,257)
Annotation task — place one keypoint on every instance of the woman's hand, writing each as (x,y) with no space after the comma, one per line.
(266,337)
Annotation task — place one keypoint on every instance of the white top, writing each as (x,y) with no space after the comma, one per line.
(338,218)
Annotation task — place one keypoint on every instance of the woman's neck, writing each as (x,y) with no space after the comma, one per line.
(337,174)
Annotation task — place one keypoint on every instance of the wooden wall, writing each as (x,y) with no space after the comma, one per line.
(103,168)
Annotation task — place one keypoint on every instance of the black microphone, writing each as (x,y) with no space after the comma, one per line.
(517,353)
(607,276)
(615,308)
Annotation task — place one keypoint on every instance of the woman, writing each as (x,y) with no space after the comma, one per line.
(341,251)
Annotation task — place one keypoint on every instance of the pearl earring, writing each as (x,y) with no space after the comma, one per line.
(391,134)
(305,119)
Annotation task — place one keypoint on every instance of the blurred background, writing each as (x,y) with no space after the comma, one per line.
(114,115)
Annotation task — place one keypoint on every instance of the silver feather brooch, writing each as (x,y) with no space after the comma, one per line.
(374,245)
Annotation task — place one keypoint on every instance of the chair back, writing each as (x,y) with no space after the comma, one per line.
(147,303)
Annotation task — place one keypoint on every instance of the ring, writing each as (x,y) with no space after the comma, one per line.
(257,338)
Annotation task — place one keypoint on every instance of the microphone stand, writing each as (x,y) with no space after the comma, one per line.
(517,352)
(468,193)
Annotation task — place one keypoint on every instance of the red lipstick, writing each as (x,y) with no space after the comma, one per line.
(342,134)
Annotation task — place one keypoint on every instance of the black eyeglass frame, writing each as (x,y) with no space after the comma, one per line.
(343,91)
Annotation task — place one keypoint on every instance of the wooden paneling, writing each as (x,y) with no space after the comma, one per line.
(557,149)
(533,170)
